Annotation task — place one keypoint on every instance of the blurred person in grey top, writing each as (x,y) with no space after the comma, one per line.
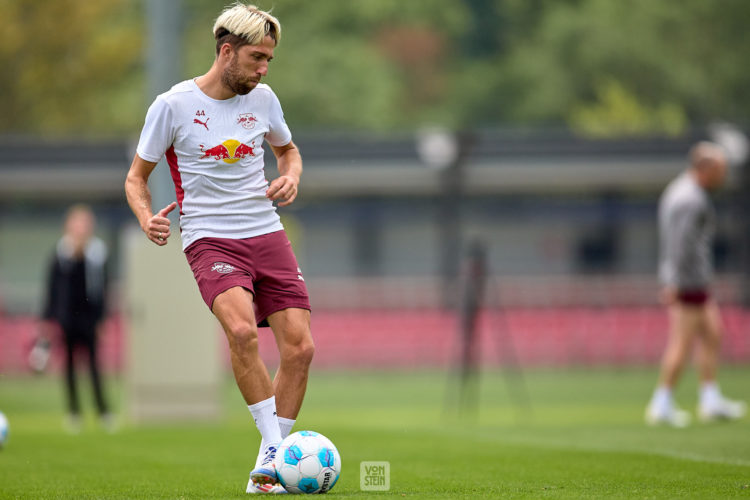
(686,229)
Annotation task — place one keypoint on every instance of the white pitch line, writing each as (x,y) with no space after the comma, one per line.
(681,455)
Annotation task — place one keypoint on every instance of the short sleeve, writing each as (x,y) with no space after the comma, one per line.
(278,131)
(158,132)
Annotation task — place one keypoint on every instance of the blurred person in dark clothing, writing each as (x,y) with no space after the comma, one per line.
(75,301)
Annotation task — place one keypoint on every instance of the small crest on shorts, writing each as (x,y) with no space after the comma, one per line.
(222,267)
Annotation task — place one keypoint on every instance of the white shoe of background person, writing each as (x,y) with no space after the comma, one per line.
(667,415)
(73,424)
(721,409)
(40,354)
(109,423)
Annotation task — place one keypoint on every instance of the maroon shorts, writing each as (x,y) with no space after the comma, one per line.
(265,265)
(693,297)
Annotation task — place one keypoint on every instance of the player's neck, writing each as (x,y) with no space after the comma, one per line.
(211,85)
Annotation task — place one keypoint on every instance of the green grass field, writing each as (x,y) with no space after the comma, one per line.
(582,436)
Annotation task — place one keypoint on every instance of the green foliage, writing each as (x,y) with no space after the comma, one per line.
(617,112)
(603,68)
(683,58)
(69,65)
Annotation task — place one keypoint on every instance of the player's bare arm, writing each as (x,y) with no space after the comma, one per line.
(285,187)
(156,226)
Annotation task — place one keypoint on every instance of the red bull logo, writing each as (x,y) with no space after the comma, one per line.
(230,151)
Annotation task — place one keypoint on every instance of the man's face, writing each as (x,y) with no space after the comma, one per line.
(80,227)
(247,66)
(718,173)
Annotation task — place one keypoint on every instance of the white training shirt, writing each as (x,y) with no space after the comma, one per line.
(214,149)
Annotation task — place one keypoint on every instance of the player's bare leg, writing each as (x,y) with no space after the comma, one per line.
(683,322)
(712,403)
(234,309)
(710,343)
(291,327)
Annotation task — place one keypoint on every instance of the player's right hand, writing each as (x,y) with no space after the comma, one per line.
(157,227)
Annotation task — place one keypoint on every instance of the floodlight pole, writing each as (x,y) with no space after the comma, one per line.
(736,144)
(474,278)
(174,369)
(163,62)
(743,202)
(445,152)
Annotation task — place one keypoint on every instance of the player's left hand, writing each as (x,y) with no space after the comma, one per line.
(283,188)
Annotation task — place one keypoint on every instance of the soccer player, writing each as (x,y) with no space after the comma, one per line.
(686,228)
(212,130)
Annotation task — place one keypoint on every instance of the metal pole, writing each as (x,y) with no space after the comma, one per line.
(163,62)
(450,218)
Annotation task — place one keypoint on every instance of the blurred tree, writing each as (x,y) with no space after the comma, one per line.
(373,64)
(603,68)
(70,66)
(370,64)
(684,58)
(617,112)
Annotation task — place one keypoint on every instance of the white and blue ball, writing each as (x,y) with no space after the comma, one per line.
(307,462)
(4,429)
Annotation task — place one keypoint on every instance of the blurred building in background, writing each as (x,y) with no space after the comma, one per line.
(569,226)
(570,118)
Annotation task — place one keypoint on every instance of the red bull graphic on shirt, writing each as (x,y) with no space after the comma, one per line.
(230,151)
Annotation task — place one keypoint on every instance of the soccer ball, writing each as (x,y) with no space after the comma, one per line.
(3,429)
(307,462)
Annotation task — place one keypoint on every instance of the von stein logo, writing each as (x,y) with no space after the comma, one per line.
(374,476)
(222,267)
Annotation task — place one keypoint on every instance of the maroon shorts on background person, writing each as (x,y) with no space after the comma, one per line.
(265,265)
(692,297)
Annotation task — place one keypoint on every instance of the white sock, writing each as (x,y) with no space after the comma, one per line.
(710,393)
(286,424)
(266,420)
(662,398)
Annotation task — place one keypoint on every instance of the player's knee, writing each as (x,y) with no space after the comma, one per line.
(306,352)
(243,337)
(713,337)
(300,353)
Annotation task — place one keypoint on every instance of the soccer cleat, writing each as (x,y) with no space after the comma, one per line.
(268,488)
(722,409)
(667,416)
(265,472)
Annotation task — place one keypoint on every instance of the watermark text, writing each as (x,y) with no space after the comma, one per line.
(374,476)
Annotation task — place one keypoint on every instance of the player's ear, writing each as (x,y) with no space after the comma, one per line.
(226,50)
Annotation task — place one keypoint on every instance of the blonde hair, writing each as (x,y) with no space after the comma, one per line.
(246,22)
